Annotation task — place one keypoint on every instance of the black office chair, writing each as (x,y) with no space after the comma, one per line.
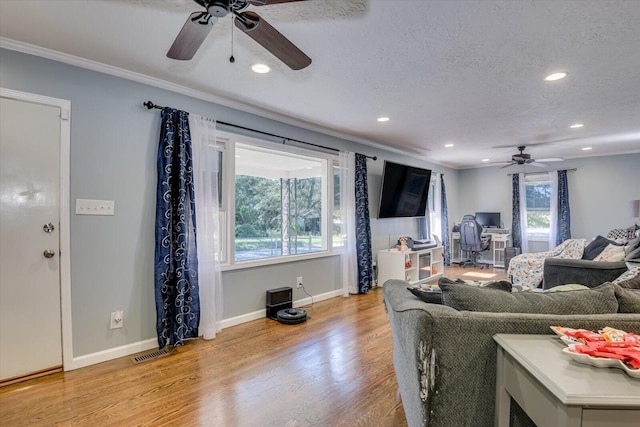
(472,241)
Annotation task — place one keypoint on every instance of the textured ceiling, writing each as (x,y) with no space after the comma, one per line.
(463,72)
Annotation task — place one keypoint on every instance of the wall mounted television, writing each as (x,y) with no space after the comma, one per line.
(404,192)
(488,219)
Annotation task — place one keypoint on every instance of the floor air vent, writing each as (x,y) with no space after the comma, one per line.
(149,356)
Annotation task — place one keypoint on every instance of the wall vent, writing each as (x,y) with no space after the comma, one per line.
(149,356)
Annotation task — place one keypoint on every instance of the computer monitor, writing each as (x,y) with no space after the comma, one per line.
(488,219)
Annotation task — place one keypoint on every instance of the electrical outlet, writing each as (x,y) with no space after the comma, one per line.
(299,282)
(117,319)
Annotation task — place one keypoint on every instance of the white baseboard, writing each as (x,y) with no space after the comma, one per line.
(261,314)
(112,353)
(137,347)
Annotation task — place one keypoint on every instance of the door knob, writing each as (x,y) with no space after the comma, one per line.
(48,228)
(48,253)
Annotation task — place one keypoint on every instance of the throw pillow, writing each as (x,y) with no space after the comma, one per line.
(629,279)
(628,299)
(596,246)
(611,253)
(502,285)
(430,295)
(632,250)
(619,233)
(599,300)
(628,275)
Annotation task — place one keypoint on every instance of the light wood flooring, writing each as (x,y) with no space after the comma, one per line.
(336,369)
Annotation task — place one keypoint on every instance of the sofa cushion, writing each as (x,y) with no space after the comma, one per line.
(599,300)
(433,294)
(612,253)
(596,246)
(628,299)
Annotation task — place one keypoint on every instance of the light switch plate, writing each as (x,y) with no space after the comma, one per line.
(95,207)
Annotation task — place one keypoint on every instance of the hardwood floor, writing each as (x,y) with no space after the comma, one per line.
(336,369)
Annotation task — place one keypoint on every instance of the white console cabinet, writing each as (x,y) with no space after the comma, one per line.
(413,266)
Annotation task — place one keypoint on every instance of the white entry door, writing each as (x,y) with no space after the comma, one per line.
(30,308)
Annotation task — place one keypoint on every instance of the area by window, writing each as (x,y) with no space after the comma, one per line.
(280,201)
(538,194)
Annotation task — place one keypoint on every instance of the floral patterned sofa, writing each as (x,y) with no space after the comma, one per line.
(526,270)
(603,261)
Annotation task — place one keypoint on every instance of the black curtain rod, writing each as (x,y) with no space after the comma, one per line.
(150,105)
(543,172)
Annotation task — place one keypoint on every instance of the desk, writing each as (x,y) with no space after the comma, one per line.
(499,241)
(554,390)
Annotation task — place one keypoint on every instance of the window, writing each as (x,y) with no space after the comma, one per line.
(434,224)
(538,201)
(281,201)
(337,240)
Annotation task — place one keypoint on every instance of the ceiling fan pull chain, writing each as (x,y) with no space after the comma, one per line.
(231,58)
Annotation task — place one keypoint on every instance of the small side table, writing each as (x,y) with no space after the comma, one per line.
(555,390)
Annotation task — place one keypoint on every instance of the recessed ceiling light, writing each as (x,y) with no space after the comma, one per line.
(587,148)
(576,125)
(383,119)
(260,68)
(485,160)
(448,145)
(556,76)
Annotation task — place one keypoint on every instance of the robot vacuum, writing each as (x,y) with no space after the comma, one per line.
(291,316)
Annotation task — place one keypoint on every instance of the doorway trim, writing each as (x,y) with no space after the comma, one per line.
(65,219)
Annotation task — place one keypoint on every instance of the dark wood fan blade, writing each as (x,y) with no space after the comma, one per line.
(191,36)
(271,39)
(268,2)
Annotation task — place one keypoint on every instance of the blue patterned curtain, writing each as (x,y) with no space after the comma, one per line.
(564,212)
(444,214)
(176,262)
(363,226)
(516,231)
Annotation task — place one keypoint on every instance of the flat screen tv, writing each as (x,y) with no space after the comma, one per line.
(488,219)
(405,190)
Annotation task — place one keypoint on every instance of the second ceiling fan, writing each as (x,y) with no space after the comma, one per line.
(199,24)
(523,158)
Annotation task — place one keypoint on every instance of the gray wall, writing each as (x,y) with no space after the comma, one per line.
(113,152)
(600,191)
(113,149)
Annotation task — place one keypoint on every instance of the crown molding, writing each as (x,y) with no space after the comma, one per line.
(100,67)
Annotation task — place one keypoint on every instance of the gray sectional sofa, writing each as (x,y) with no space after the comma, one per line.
(559,271)
(445,359)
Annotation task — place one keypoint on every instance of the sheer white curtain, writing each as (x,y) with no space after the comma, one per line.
(553,225)
(347,167)
(205,172)
(522,183)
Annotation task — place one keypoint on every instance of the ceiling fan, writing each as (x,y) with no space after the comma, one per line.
(523,158)
(199,24)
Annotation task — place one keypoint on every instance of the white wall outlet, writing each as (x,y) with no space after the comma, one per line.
(117,319)
(299,282)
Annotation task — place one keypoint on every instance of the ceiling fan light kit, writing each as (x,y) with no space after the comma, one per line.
(523,158)
(199,24)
